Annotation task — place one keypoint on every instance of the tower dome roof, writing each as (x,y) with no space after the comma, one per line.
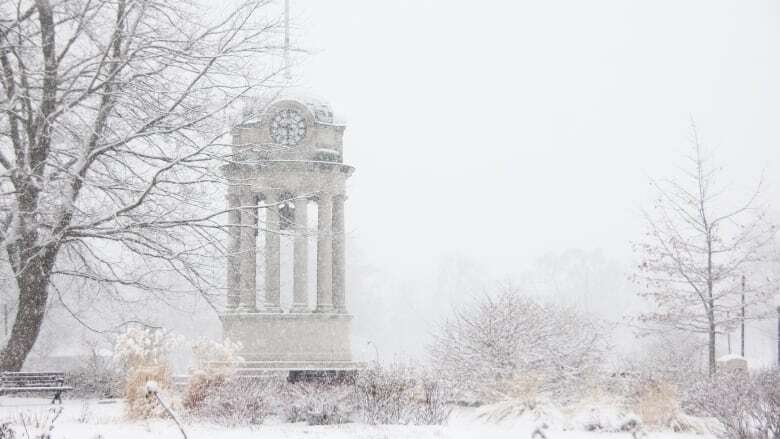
(320,108)
(293,125)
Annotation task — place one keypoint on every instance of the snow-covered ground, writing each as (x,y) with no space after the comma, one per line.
(90,419)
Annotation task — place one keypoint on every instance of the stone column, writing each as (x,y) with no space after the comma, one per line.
(248,300)
(233,249)
(339,294)
(301,257)
(272,260)
(324,253)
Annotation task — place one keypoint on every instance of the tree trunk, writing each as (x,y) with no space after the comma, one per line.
(33,294)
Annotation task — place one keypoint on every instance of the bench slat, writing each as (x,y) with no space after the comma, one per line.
(32,379)
(36,375)
(6,389)
(33,373)
(37,380)
(29,375)
(17,377)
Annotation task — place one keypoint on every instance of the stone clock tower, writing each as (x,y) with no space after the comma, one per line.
(287,159)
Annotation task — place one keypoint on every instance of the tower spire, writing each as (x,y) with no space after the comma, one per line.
(287,74)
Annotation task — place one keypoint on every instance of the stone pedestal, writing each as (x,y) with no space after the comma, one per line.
(291,341)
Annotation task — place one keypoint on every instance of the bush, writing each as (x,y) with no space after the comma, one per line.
(143,353)
(215,364)
(767,412)
(6,432)
(604,420)
(236,401)
(432,408)
(746,406)
(199,386)
(213,355)
(384,395)
(30,424)
(317,403)
(96,378)
(139,405)
(399,395)
(512,346)
(674,358)
(658,405)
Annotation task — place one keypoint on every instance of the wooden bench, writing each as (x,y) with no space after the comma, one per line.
(16,382)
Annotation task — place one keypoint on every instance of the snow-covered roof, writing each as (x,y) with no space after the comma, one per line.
(320,108)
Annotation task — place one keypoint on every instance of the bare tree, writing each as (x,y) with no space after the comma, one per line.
(113,115)
(698,245)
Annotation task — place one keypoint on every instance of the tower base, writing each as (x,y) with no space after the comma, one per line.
(291,341)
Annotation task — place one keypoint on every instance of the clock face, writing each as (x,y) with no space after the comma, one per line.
(288,127)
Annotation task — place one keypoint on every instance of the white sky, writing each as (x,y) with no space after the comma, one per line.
(504,130)
(500,131)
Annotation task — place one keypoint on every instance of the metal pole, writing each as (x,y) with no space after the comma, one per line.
(728,333)
(287,73)
(742,322)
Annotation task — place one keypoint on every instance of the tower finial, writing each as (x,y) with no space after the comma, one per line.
(287,74)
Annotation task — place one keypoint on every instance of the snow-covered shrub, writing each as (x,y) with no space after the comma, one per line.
(237,401)
(731,399)
(143,347)
(658,406)
(399,395)
(514,409)
(138,403)
(432,406)
(767,413)
(6,432)
(215,364)
(143,354)
(199,386)
(317,403)
(675,358)
(745,406)
(85,413)
(95,378)
(509,346)
(607,419)
(383,395)
(90,383)
(30,424)
(656,380)
(432,398)
(214,355)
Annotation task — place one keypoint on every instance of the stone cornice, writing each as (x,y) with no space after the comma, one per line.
(288,166)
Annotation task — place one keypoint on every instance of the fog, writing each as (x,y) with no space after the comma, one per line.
(489,136)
